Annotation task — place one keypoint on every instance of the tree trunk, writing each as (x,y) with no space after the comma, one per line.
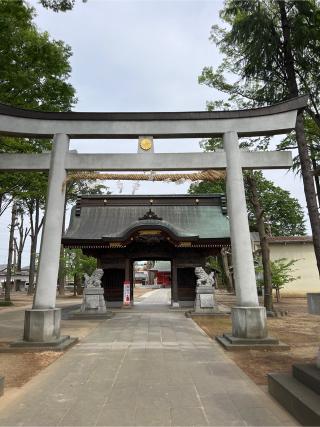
(61,273)
(7,296)
(306,169)
(225,266)
(32,265)
(35,229)
(264,245)
(23,233)
(77,284)
(316,177)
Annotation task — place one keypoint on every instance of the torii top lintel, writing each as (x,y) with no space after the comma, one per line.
(276,119)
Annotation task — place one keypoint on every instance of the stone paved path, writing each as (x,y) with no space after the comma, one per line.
(158,296)
(144,368)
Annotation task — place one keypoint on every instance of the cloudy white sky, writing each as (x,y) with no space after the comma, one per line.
(131,55)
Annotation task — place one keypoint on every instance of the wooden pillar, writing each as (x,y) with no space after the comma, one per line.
(127,270)
(174,283)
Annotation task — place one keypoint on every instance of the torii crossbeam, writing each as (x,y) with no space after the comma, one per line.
(42,323)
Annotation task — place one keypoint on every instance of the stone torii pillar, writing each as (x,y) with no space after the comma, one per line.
(248,318)
(42,322)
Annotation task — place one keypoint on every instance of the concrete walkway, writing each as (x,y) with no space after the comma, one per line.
(143,368)
(158,296)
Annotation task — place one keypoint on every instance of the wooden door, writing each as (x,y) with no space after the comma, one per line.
(112,282)
(187,281)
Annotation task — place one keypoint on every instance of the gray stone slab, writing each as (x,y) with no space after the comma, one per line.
(117,415)
(188,416)
(152,416)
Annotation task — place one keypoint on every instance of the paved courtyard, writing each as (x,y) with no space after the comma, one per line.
(143,368)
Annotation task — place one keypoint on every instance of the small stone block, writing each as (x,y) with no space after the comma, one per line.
(1,386)
(313,303)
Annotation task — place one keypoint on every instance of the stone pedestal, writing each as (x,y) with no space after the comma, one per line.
(42,331)
(93,301)
(249,331)
(313,302)
(249,322)
(205,301)
(42,325)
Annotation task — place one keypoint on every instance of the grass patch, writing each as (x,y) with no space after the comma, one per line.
(5,303)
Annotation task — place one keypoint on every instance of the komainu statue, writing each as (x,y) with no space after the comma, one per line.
(93,281)
(93,295)
(205,301)
(204,279)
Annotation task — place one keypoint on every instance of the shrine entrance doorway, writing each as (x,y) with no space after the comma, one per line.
(151,282)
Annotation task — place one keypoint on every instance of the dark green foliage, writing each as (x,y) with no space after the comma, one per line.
(283,213)
(58,5)
(34,69)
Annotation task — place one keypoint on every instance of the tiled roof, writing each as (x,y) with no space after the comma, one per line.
(186,221)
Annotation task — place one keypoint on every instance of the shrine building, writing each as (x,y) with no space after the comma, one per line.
(119,230)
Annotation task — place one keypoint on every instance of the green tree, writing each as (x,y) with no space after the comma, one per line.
(75,265)
(34,69)
(281,273)
(271,52)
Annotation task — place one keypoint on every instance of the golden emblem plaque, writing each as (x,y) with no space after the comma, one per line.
(145,144)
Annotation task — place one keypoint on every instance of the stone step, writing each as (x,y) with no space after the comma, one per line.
(61,344)
(250,344)
(299,400)
(308,374)
(236,340)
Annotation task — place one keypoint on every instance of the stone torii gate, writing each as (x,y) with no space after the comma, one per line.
(42,322)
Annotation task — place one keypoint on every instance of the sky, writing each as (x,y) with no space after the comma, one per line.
(139,55)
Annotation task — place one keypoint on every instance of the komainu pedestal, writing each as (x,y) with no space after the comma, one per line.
(93,301)
(205,300)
